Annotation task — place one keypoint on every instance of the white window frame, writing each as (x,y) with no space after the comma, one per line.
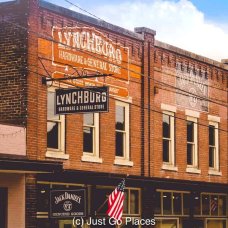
(171,164)
(194,168)
(125,160)
(215,170)
(94,156)
(60,152)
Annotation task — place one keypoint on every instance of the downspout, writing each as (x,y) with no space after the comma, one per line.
(149,111)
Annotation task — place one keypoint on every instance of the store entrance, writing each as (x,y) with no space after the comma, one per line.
(3,207)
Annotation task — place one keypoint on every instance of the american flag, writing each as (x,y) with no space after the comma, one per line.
(214,204)
(115,201)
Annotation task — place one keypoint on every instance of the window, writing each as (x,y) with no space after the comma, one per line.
(122,134)
(192,142)
(55,130)
(168,138)
(91,137)
(209,204)
(172,203)
(213,146)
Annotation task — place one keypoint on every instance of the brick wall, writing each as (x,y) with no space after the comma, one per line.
(165,72)
(31,201)
(13,73)
(41,22)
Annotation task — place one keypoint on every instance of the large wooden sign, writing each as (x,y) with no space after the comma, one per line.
(67,203)
(88,48)
(81,100)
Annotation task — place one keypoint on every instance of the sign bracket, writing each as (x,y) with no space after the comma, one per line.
(45,79)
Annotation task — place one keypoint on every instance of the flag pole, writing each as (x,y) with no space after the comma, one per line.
(97,211)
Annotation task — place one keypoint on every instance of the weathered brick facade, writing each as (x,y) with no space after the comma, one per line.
(13,55)
(26,55)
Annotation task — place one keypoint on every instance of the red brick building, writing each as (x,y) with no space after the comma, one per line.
(166,128)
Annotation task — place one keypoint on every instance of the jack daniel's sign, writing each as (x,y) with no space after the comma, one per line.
(67,203)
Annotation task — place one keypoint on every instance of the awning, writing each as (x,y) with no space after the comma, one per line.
(9,165)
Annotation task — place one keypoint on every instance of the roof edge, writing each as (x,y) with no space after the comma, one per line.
(90,20)
(190,54)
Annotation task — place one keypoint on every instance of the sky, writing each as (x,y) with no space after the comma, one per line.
(199,26)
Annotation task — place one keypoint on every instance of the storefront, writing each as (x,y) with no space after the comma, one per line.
(183,209)
(96,202)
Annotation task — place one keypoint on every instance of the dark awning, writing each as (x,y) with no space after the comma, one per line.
(29,166)
(98,178)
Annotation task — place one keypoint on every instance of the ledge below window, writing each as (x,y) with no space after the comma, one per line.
(169,167)
(55,154)
(214,172)
(88,158)
(193,170)
(123,162)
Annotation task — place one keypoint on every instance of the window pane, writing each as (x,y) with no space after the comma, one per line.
(190,154)
(186,203)
(43,192)
(166,150)
(166,126)
(134,202)
(157,200)
(190,131)
(52,135)
(216,223)
(88,139)
(125,205)
(88,119)
(51,106)
(222,205)
(167,203)
(119,144)
(177,203)
(211,157)
(166,223)
(211,135)
(120,118)
(197,207)
(205,204)
(214,205)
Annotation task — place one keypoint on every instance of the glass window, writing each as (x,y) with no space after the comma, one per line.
(168,137)
(122,130)
(212,223)
(134,202)
(55,125)
(214,205)
(205,205)
(186,203)
(222,205)
(212,146)
(88,133)
(197,204)
(190,143)
(166,223)
(167,206)
(126,199)
(177,204)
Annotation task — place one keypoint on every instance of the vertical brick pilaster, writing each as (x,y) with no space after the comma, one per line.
(147,204)
(31,201)
(147,97)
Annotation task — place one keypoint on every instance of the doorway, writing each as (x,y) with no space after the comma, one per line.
(3,207)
